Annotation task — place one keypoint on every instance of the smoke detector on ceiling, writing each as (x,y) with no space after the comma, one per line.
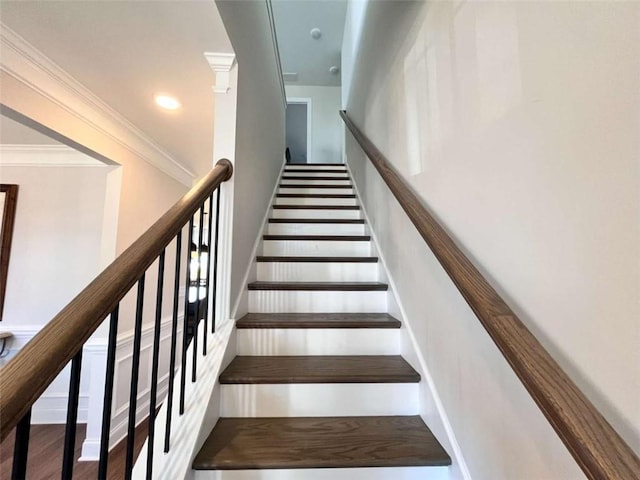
(315,33)
(334,70)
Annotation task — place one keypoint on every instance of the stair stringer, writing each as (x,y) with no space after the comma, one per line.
(202,409)
(431,408)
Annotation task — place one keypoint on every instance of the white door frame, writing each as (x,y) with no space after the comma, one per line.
(306,101)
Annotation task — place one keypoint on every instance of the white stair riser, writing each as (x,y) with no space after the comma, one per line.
(317,272)
(314,182)
(318,341)
(315,201)
(376,473)
(315,173)
(311,167)
(296,301)
(316,229)
(316,247)
(304,213)
(307,190)
(319,400)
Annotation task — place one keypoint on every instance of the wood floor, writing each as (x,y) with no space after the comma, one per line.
(45,454)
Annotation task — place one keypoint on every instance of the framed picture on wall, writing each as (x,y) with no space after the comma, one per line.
(8,201)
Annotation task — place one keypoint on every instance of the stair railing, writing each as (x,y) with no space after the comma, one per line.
(594,444)
(31,371)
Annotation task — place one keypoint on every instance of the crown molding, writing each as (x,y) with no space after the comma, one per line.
(25,63)
(221,64)
(45,156)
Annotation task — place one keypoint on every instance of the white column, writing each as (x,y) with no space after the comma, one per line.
(224,146)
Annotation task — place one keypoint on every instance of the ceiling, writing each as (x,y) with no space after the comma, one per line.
(301,54)
(126,51)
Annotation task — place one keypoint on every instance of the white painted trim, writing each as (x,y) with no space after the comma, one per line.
(276,50)
(308,102)
(368,473)
(45,156)
(319,399)
(51,406)
(318,341)
(120,412)
(225,113)
(189,431)
(221,64)
(426,374)
(300,301)
(256,245)
(51,409)
(25,63)
(110,217)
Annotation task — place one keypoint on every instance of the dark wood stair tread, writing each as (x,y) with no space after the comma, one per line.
(319,177)
(318,320)
(332,238)
(321,286)
(316,207)
(320,442)
(318,220)
(307,185)
(319,369)
(311,259)
(315,195)
(298,165)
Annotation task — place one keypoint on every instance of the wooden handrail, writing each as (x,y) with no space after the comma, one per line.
(601,453)
(36,365)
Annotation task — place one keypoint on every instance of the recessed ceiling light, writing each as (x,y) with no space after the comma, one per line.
(167,102)
(334,70)
(315,33)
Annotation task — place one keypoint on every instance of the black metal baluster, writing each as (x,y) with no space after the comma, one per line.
(174,334)
(183,373)
(215,263)
(72,417)
(208,273)
(108,396)
(154,367)
(21,448)
(204,307)
(194,366)
(135,370)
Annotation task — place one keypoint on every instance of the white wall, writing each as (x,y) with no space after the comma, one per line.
(61,210)
(354,23)
(260,129)
(517,124)
(326,125)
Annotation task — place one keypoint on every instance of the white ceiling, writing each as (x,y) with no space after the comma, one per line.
(301,54)
(125,51)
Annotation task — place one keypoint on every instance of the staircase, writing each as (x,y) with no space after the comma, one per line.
(318,389)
